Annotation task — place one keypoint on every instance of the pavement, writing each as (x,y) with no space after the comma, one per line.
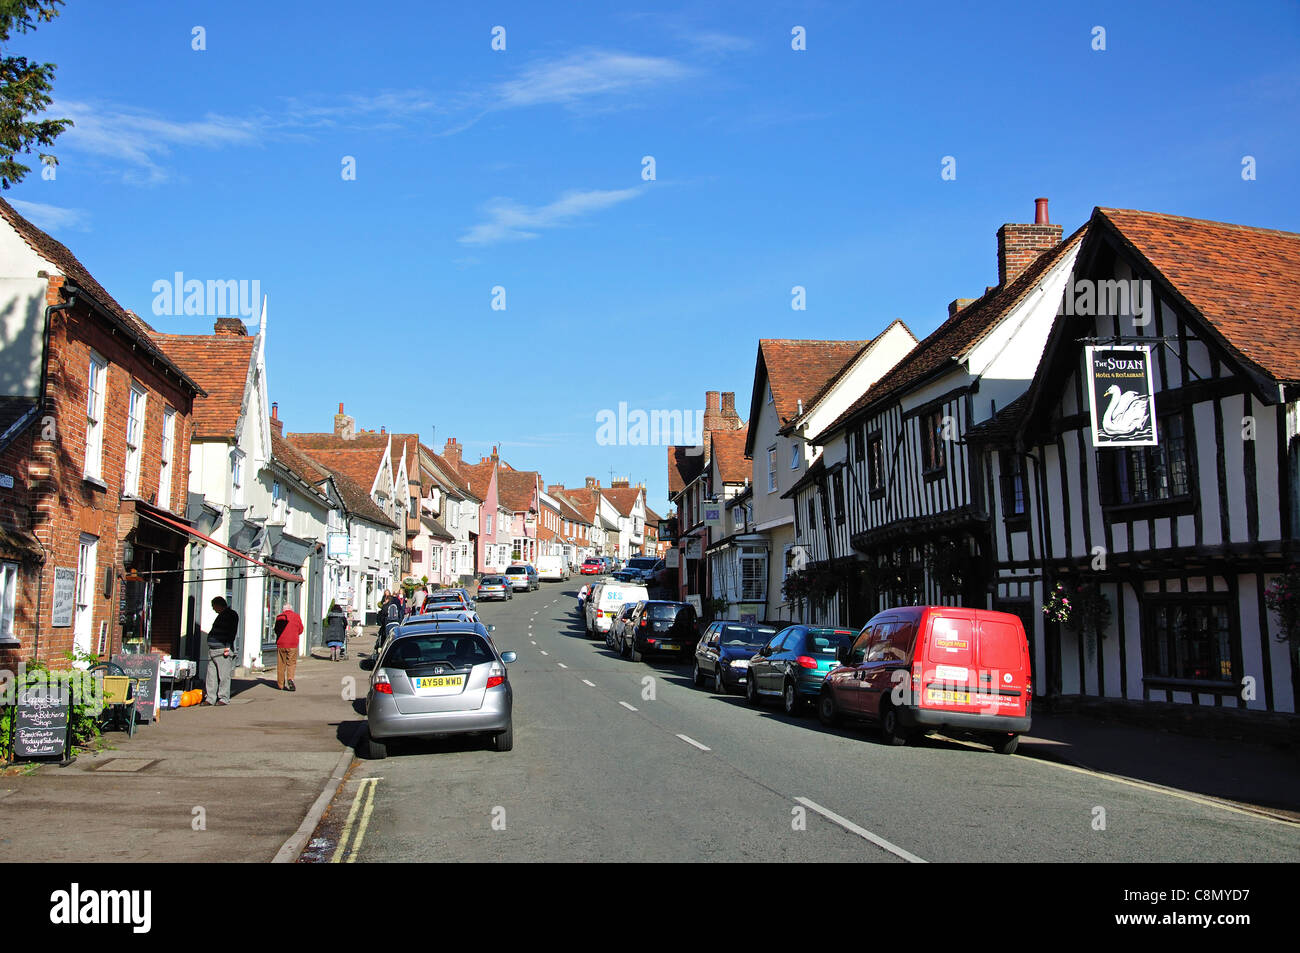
(250,781)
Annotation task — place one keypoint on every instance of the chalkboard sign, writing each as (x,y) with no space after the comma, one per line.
(64,597)
(40,727)
(147,670)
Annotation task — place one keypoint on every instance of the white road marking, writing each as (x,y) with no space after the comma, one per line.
(544,652)
(589,684)
(561,664)
(691,741)
(365,792)
(862,832)
(627,706)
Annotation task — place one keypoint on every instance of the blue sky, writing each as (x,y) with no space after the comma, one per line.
(522,168)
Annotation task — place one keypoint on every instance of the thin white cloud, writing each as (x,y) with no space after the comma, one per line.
(509,221)
(587,75)
(51,217)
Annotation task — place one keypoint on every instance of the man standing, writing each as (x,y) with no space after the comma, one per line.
(288,626)
(221,653)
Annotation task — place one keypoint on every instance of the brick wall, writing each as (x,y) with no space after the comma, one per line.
(1019,245)
(51,499)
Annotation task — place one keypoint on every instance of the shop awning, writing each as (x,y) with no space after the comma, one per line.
(270,570)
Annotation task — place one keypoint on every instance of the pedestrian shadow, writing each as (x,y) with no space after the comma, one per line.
(240,685)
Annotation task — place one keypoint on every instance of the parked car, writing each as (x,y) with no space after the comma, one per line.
(523,577)
(793,665)
(605,602)
(445,598)
(435,679)
(916,669)
(552,568)
(495,587)
(660,627)
(722,655)
(640,569)
(591,566)
(614,637)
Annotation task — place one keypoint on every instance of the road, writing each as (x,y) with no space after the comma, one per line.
(623,761)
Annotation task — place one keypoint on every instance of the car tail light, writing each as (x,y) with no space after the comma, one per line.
(916,683)
(806,661)
(496,680)
(382,685)
(643,623)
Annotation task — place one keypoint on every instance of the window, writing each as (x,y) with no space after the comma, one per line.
(487,528)
(932,451)
(8,600)
(812,514)
(753,574)
(1135,475)
(134,441)
(858,444)
(236,478)
(771,470)
(1013,486)
(1189,640)
(455,515)
(876,465)
(837,494)
(794,456)
(737,517)
(165,467)
(96,382)
(277,501)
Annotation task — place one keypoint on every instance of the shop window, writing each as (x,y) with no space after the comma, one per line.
(1189,640)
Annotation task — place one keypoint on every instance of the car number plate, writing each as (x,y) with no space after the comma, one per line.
(440,681)
(951,698)
(670,648)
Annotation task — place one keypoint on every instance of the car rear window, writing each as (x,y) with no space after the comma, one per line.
(452,600)
(415,651)
(642,563)
(825,642)
(665,612)
(745,635)
(521,571)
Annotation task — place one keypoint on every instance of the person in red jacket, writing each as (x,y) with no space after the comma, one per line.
(288,627)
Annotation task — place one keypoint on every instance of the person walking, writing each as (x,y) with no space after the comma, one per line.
(288,627)
(336,632)
(221,653)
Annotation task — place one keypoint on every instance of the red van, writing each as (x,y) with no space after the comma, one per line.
(916,669)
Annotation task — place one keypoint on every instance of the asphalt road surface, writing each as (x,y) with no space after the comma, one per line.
(623,761)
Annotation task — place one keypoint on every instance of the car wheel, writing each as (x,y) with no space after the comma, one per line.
(506,739)
(891,727)
(790,700)
(751,691)
(826,710)
(719,682)
(697,677)
(375,750)
(1005,744)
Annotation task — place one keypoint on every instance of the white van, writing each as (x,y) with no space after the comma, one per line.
(605,601)
(552,568)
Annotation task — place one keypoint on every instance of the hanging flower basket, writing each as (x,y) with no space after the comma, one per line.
(1283,599)
(1058,606)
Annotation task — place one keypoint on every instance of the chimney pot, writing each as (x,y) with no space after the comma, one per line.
(340,407)
(275,410)
(1040,212)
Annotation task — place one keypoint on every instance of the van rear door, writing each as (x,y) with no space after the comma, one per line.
(1004,664)
(949,678)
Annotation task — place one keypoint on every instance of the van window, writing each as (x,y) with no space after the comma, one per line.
(999,645)
(902,638)
(950,640)
(859,651)
(882,646)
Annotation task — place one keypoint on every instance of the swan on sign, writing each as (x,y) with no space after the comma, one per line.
(1127,414)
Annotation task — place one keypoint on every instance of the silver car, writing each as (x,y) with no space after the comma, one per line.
(435,679)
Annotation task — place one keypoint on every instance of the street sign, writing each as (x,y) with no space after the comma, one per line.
(338,546)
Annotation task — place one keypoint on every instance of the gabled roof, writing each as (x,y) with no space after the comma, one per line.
(515,489)
(357,501)
(651,516)
(567,510)
(57,254)
(479,478)
(447,474)
(729,455)
(435,527)
(953,339)
(221,364)
(795,370)
(297,462)
(585,501)
(623,497)
(1245,282)
(683,468)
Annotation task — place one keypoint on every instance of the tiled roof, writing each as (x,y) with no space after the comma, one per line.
(448,473)
(955,336)
(360,464)
(435,527)
(356,499)
(479,478)
(567,510)
(297,462)
(651,516)
(797,370)
(58,255)
(1244,281)
(220,363)
(1002,425)
(623,497)
(729,454)
(585,501)
(515,489)
(683,467)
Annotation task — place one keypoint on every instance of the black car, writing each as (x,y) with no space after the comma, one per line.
(660,627)
(723,653)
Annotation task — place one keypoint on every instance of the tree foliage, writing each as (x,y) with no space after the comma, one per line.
(25,89)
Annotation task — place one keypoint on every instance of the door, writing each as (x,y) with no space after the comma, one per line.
(760,671)
(886,662)
(859,664)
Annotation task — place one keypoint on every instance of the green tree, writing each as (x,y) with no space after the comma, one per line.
(24,91)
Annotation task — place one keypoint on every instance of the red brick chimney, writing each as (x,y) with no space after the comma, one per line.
(451,451)
(592,483)
(1019,245)
(276,423)
(345,427)
(231,326)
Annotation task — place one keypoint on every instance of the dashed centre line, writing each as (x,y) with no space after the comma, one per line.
(691,741)
(627,706)
(561,664)
(589,684)
(861,831)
